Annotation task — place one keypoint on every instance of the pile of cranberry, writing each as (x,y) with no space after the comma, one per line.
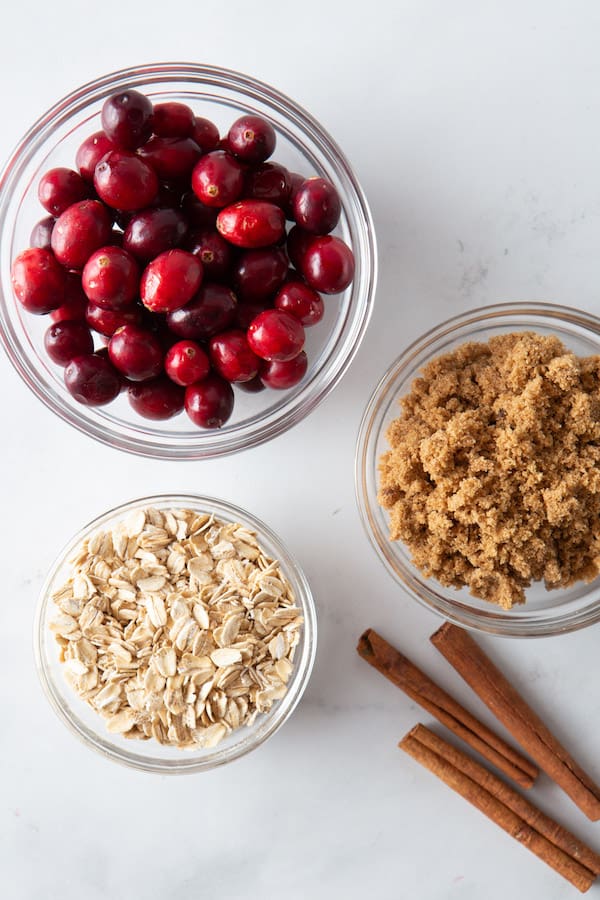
(171,243)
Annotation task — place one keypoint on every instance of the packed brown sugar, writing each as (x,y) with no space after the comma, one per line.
(492,479)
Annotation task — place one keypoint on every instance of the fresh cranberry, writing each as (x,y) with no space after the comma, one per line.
(91,379)
(211,310)
(153,231)
(111,278)
(245,313)
(107,321)
(215,254)
(297,242)
(205,134)
(258,274)
(328,264)
(127,119)
(251,224)
(209,403)
(91,152)
(282,375)
(276,335)
(124,181)
(74,302)
(295,181)
(317,206)
(157,399)
(136,352)
(252,139)
(170,281)
(171,157)
(198,214)
(300,301)
(173,119)
(65,340)
(39,282)
(81,229)
(254,386)
(217,179)
(270,182)
(41,236)
(59,188)
(232,357)
(186,362)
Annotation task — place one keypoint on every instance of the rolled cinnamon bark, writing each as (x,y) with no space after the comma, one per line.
(484,791)
(420,688)
(488,682)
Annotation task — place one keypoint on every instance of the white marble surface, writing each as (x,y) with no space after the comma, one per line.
(475,130)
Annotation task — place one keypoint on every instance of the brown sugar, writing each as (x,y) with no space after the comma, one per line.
(492,479)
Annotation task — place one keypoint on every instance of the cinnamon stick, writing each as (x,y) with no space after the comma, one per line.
(486,792)
(488,682)
(420,688)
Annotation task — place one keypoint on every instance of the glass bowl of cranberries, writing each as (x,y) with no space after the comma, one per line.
(188,261)
(167,664)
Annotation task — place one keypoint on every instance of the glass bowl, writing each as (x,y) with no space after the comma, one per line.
(545,612)
(151,756)
(303,146)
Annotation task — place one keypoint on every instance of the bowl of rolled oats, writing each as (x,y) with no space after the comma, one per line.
(175,633)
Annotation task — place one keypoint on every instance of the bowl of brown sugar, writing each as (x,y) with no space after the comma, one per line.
(478,469)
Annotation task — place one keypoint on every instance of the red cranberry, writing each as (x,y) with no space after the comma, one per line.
(251,224)
(124,181)
(209,403)
(74,302)
(246,312)
(91,152)
(205,134)
(59,188)
(328,264)
(252,139)
(171,157)
(215,254)
(217,179)
(186,362)
(170,281)
(157,399)
(276,335)
(92,380)
(65,340)
(270,182)
(39,282)
(41,236)
(153,231)
(297,242)
(81,229)
(317,206)
(211,310)
(300,301)
(258,274)
(136,352)
(197,214)
(127,119)
(107,321)
(232,357)
(295,181)
(173,119)
(282,375)
(254,386)
(111,278)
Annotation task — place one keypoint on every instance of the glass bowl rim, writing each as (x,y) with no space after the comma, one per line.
(279,713)
(496,621)
(323,381)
